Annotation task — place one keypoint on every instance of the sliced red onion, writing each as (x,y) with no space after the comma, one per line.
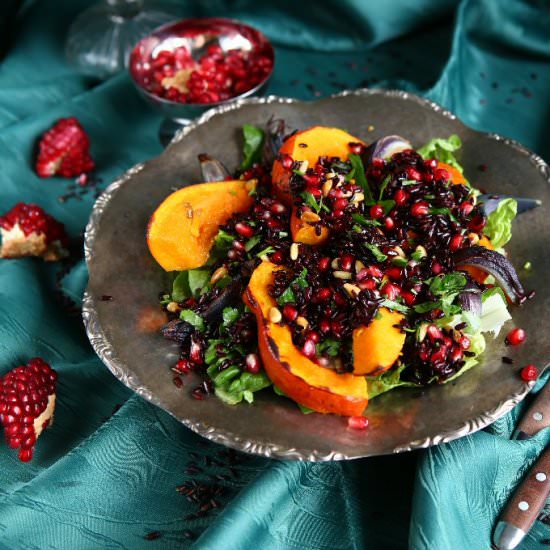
(495,264)
(470,299)
(275,136)
(212,169)
(384,148)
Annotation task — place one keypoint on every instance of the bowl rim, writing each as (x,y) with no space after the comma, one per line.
(107,354)
(168,102)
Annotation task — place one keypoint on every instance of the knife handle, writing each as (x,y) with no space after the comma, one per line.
(537,417)
(524,506)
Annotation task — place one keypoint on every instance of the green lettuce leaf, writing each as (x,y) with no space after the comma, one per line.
(442,150)
(241,388)
(499,223)
(252,147)
(389,380)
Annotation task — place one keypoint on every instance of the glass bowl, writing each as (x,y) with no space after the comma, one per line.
(196,36)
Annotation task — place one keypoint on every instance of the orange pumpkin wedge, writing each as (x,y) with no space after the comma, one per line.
(309,145)
(307,383)
(456,175)
(181,231)
(377,346)
(303,231)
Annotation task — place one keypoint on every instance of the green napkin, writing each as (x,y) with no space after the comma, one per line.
(106,474)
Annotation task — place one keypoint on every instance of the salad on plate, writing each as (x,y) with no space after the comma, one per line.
(331,270)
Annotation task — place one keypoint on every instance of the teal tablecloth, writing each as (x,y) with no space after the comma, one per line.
(105,475)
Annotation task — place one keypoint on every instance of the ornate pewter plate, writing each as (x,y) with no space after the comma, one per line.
(122,331)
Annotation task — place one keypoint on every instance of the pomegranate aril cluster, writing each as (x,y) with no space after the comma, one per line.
(24,394)
(32,219)
(217,76)
(64,150)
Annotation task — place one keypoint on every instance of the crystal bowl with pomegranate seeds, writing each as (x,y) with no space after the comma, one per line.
(124,318)
(186,67)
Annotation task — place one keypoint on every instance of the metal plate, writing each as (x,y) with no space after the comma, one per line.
(121,266)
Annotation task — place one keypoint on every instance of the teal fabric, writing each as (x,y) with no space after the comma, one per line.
(105,475)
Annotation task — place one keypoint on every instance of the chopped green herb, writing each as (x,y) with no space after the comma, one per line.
(252,242)
(189,316)
(330,346)
(387,205)
(265,251)
(383,186)
(361,178)
(396,306)
(230,315)
(399,261)
(252,147)
(380,257)
(527,266)
(364,221)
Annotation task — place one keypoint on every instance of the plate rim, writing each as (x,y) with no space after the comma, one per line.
(107,354)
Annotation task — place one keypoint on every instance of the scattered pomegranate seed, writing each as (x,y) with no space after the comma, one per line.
(400,197)
(286,161)
(183,366)
(389,224)
(420,209)
(64,150)
(322,295)
(456,242)
(413,174)
(324,325)
(356,148)
(437,268)
(340,204)
(391,291)
(308,349)
(358,422)
(313,336)
(277,257)
(442,174)
(27,404)
(290,312)
(466,208)
(394,273)
(376,211)
(252,363)
(408,297)
(477,223)
(529,373)
(515,337)
(434,332)
(324,263)
(346,262)
(430,163)
(464,342)
(244,230)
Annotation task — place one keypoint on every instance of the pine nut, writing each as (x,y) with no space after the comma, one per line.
(302,322)
(352,290)
(218,274)
(342,274)
(294,251)
(275,315)
(172,307)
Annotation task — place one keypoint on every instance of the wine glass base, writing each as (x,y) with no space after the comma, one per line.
(169,127)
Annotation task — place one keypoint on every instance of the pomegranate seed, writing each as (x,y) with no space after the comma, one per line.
(389,224)
(25,455)
(252,363)
(442,174)
(420,209)
(394,273)
(308,349)
(464,342)
(378,163)
(358,422)
(439,355)
(183,366)
(434,332)
(340,204)
(400,197)
(356,148)
(324,263)
(369,284)
(286,161)
(391,291)
(515,337)
(456,242)
(277,257)
(466,208)
(529,373)
(456,354)
(244,230)
(437,268)
(324,326)
(315,191)
(195,353)
(374,271)
(313,336)
(477,223)
(322,295)
(312,180)
(408,297)
(413,173)
(346,262)
(278,208)
(376,211)
(430,163)
(290,312)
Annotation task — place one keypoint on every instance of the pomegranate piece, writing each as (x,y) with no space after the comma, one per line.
(516,336)
(27,230)
(27,404)
(529,373)
(358,422)
(64,150)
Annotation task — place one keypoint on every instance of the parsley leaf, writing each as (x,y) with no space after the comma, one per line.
(361,178)
(376,252)
(189,316)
